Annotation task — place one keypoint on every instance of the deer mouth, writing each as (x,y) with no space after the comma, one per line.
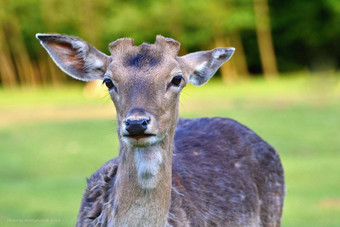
(141,140)
(142,136)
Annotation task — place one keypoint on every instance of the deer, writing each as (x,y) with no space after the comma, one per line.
(170,171)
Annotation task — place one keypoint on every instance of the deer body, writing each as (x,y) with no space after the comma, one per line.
(199,172)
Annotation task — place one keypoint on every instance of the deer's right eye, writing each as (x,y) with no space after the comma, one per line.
(109,84)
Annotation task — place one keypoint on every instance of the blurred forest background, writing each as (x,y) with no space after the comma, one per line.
(270,37)
(283,82)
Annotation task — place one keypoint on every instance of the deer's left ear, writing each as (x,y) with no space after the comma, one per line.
(75,56)
(202,65)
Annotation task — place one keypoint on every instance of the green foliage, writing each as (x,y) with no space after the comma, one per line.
(310,31)
(305,33)
(194,23)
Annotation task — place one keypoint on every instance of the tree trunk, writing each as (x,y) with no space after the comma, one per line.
(237,66)
(228,70)
(264,38)
(240,57)
(7,69)
(24,67)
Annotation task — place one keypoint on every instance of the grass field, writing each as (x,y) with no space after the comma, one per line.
(52,139)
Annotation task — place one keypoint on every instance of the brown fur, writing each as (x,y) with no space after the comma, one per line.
(73,59)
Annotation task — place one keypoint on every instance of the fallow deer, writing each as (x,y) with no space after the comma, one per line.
(170,172)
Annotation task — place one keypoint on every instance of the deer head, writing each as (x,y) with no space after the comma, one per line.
(144,81)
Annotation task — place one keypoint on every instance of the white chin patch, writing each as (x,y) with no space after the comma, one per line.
(147,162)
(143,142)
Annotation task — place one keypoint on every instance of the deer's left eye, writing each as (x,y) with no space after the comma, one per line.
(109,84)
(176,81)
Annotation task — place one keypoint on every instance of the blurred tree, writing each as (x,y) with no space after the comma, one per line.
(264,38)
(197,24)
(7,69)
(305,33)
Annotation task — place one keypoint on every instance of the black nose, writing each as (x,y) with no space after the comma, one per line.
(137,127)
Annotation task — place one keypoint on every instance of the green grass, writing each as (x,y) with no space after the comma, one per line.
(43,164)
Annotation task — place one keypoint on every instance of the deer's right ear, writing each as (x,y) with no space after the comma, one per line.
(75,56)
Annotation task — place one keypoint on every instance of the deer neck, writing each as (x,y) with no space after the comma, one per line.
(143,184)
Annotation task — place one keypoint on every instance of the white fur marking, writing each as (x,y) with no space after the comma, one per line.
(79,44)
(218,53)
(150,141)
(201,66)
(147,164)
(94,62)
(242,196)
